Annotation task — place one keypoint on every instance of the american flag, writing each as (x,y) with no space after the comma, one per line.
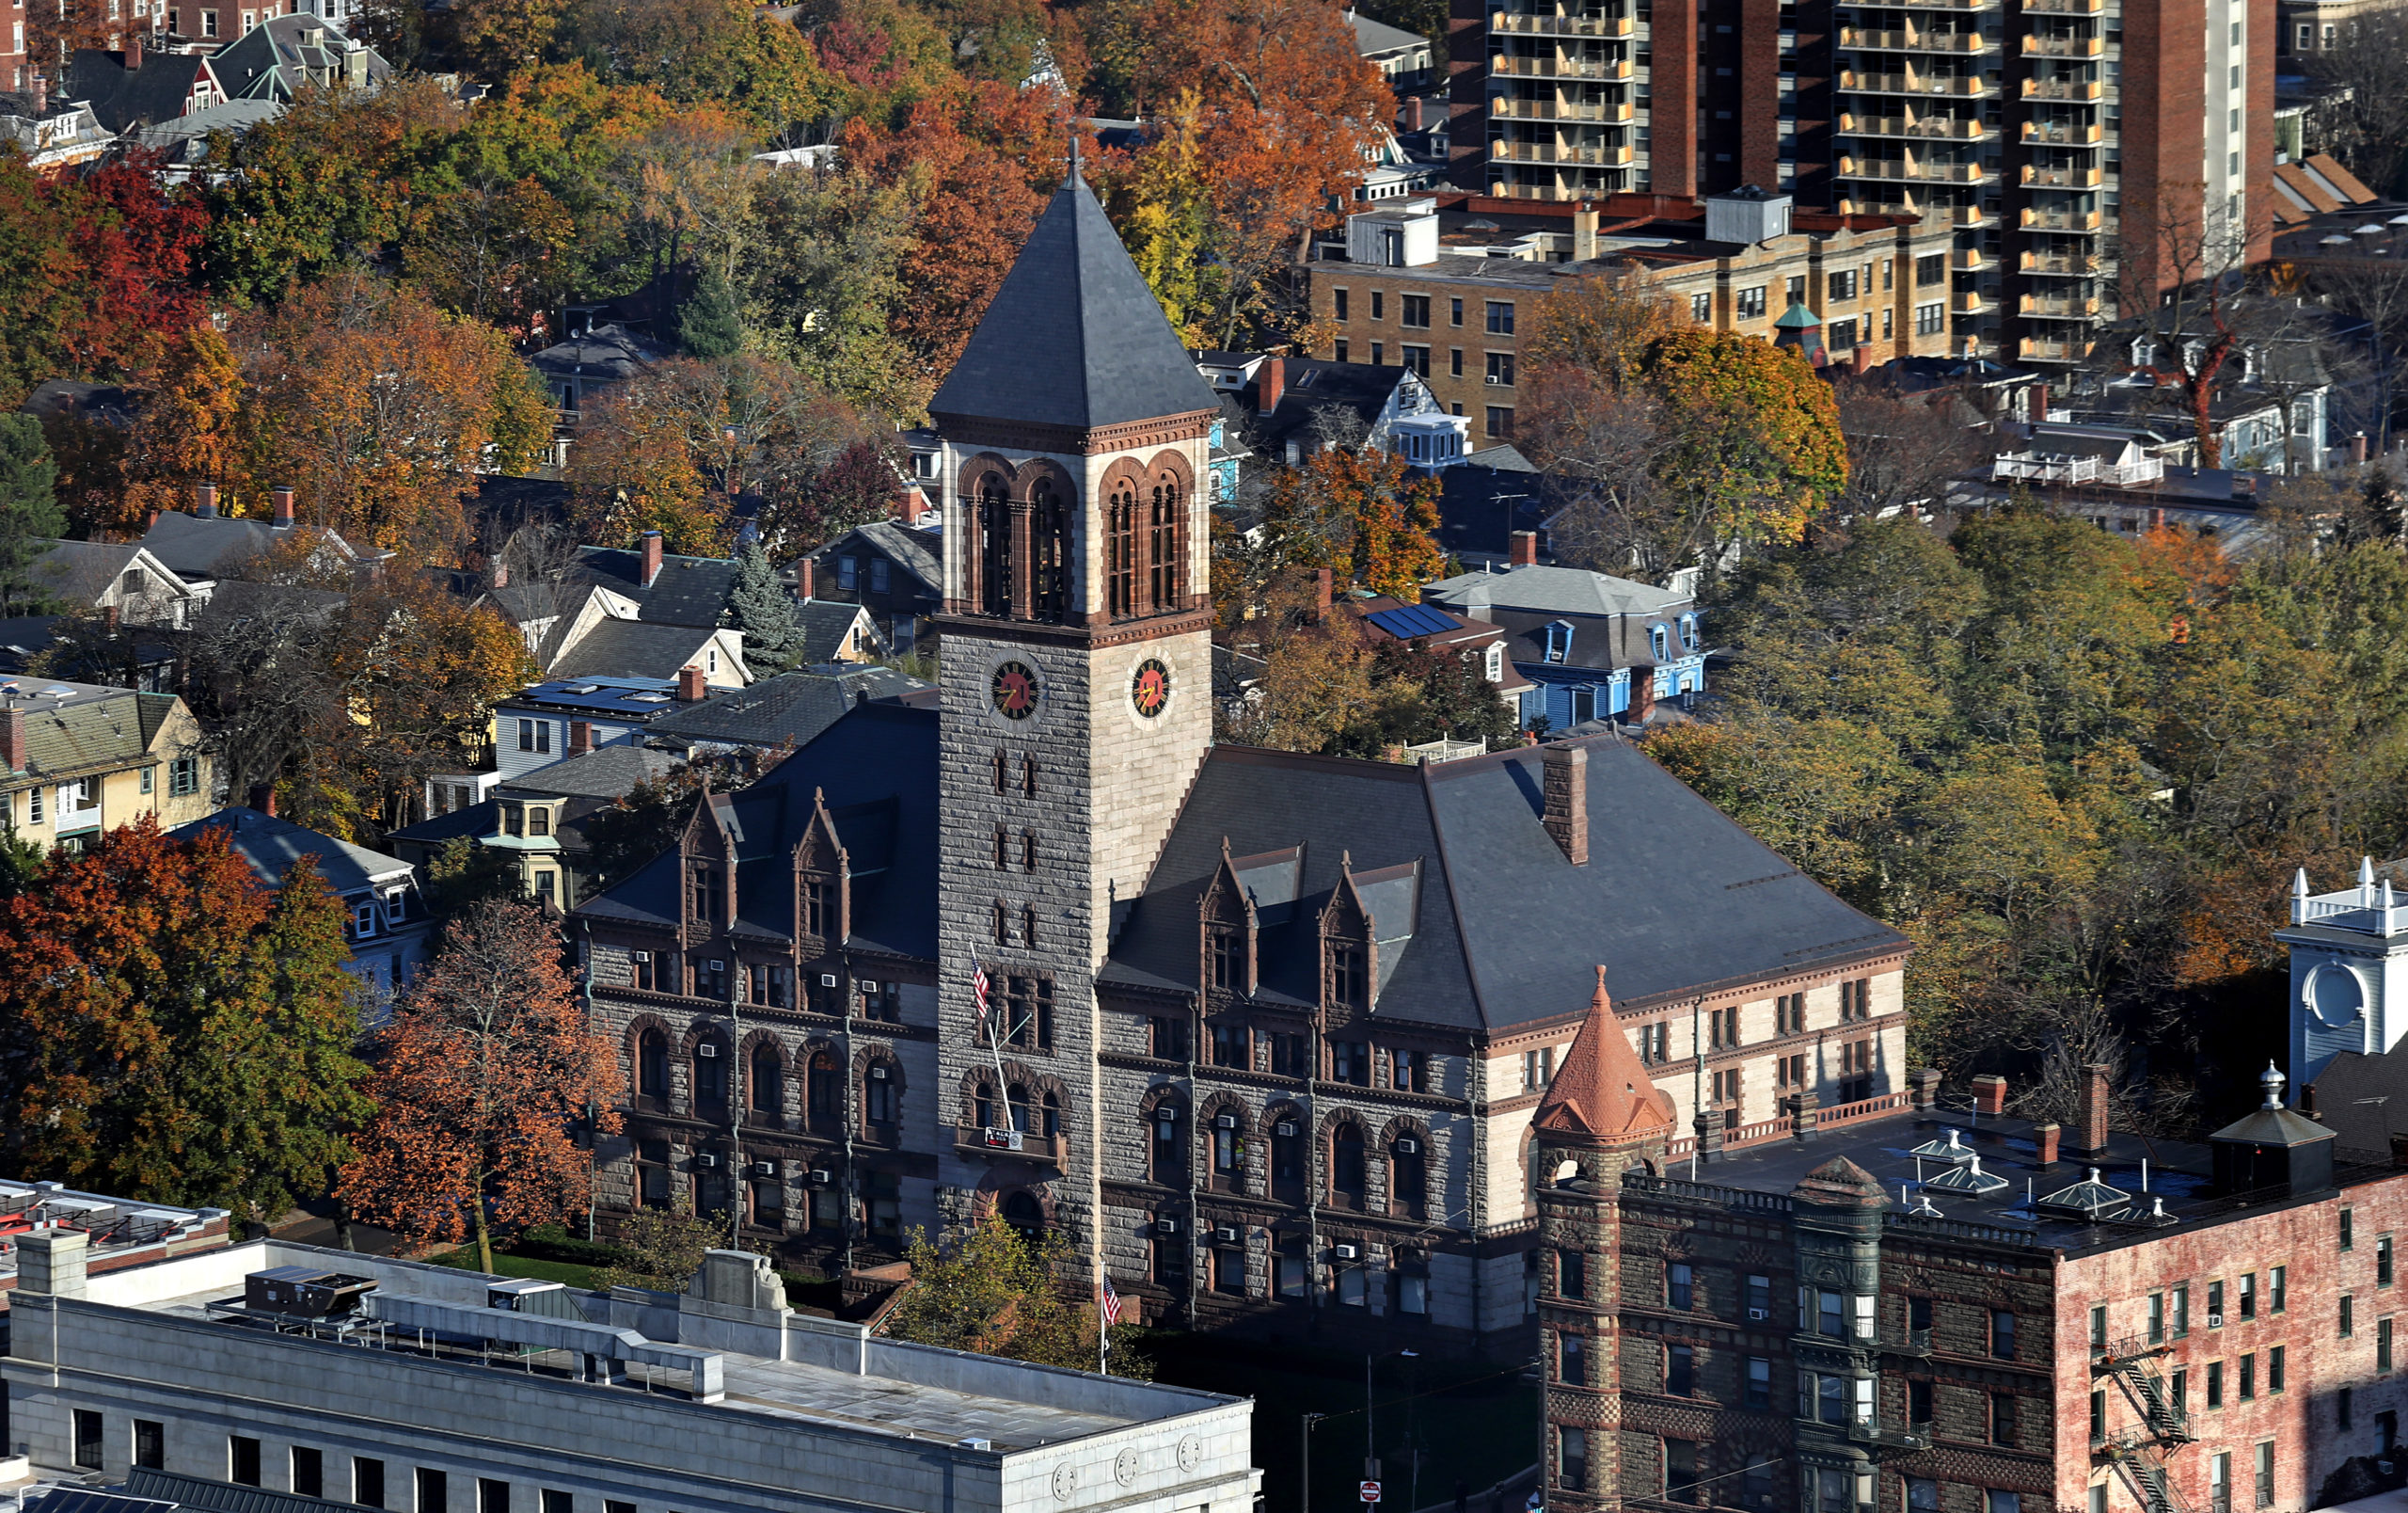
(978,994)
(1111,1304)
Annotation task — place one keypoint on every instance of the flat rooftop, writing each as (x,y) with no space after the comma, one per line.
(2178,1177)
(836,1376)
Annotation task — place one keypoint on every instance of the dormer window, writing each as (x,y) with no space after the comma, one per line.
(1689,633)
(1495,668)
(814,899)
(1659,642)
(1348,975)
(539,820)
(1559,642)
(706,898)
(1227,959)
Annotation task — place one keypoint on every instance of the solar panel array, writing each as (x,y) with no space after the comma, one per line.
(1412,620)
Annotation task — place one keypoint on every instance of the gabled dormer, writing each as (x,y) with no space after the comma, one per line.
(823,883)
(1231,931)
(1349,951)
(706,858)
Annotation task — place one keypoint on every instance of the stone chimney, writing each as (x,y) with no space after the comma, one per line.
(204,500)
(580,737)
(805,572)
(1989,1093)
(12,737)
(1584,232)
(53,1261)
(2091,1138)
(1522,549)
(651,549)
(1925,1084)
(1270,383)
(692,687)
(263,798)
(1563,786)
(283,517)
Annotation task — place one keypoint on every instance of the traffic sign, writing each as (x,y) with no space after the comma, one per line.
(1370,1491)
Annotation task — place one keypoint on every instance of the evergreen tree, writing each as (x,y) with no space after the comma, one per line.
(29,511)
(763,610)
(707,325)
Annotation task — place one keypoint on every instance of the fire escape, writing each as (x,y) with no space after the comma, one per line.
(2140,1455)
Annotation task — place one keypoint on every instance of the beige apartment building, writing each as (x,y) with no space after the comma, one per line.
(83,758)
(1443,284)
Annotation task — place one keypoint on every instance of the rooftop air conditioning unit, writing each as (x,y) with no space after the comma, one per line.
(878,1074)
(827,979)
(1348,1252)
(869,987)
(1165,1226)
(706,1160)
(1226,1234)
(1225,1120)
(1409,1146)
(706,1050)
(1285,1129)
(821,1176)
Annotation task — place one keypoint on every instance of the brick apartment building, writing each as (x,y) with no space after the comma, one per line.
(2056,136)
(1441,284)
(1954,1314)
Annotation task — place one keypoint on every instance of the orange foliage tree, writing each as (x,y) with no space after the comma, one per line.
(1361,514)
(484,1077)
(172,1029)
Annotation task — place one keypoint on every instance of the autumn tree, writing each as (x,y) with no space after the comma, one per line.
(174,1031)
(30,514)
(95,271)
(827,301)
(662,1247)
(1361,513)
(994,1290)
(485,1075)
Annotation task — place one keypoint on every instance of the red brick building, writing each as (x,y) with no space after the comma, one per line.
(1959,1313)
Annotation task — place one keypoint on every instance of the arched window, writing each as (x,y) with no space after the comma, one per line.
(1166,577)
(1229,1152)
(767,1085)
(1121,549)
(652,1068)
(1048,545)
(995,534)
(881,1100)
(1347,1175)
(1407,1172)
(1052,1110)
(710,1078)
(982,1104)
(1286,1153)
(1020,1101)
(1167,1151)
(824,1084)
(1026,1217)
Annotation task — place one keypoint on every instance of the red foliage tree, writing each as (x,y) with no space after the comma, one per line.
(483,1073)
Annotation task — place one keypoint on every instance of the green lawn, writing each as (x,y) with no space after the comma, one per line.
(1472,1423)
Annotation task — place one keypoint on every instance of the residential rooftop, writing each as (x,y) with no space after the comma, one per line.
(638,698)
(121,1231)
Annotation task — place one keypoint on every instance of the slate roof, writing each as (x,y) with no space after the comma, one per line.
(826,626)
(272,846)
(23,637)
(688,590)
(917,553)
(1504,930)
(481,818)
(192,547)
(631,648)
(794,707)
(125,98)
(1556,590)
(605,772)
(272,59)
(1480,508)
(1311,386)
(1074,337)
(2363,1099)
(877,768)
(91,728)
(82,570)
(1374,38)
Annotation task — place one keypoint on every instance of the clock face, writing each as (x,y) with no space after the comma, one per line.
(1014,691)
(1150,689)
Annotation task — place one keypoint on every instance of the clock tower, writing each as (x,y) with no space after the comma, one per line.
(1076,682)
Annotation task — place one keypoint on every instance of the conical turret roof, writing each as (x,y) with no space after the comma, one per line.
(1603,1090)
(1074,337)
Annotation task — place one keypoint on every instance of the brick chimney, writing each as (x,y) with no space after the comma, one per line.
(12,737)
(133,51)
(2047,1136)
(1643,694)
(580,737)
(204,500)
(283,517)
(692,687)
(2039,400)
(1584,232)
(109,616)
(1325,588)
(263,798)
(500,573)
(651,549)
(804,572)
(1989,1093)
(1413,113)
(1563,786)
(2090,1141)
(1861,359)
(1925,1083)
(1522,549)
(1270,382)
(2358,449)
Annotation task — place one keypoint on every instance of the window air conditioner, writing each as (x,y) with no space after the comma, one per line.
(1409,1146)
(1165,1226)
(1225,1120)
(878,1074)
(1348,1252)
(719,967)
(2215,1321)
(705,1161)
(764,1168)
(1285,1129)
(1168,1113)
(1226,1234)
(869,987)
(640,956)
(1759,1314)
(821,1176)
(827,979)
(707,1051)
(1491,378)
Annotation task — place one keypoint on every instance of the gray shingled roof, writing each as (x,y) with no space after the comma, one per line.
(196,548)
(794,707)
(204,1496)
(1074,337)
(826,624)
(90,729)
(1558,590)
(630,648)
(608,773)
(272,846)
(686,591)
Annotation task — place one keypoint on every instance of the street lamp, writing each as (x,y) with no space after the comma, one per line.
(1311,1419)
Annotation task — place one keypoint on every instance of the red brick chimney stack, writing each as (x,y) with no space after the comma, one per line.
(1990,1094)
(41,95)
(133,51)
(204,500)
(651,557)
(805,571)
(2048,1136)
(1563,789)
(692,687)
(1522,549)
(1413,113)
(283,518)
(1643,694)
(263,798)
(2358,449)
(12,736)
(1324,587)
(2093,1133)
(580,737)
(1270,382)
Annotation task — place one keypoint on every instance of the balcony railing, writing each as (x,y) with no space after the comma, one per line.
(2060,220)
(1548,68)
(1615,157)
(2033,349)
(1969,217)
(1908,168)
(1506,108)
(2061,178)
(1913,41)
(1010,1145)
(2071,264)
(1971,260)
(2062,134)
(1924,83)
(1972,302)
(2063,88)
(1516,23)
(2056,308)
(2063,46)
(2064,8)
(1927,128)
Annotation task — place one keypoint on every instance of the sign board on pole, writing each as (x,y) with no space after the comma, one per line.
(1370,1491)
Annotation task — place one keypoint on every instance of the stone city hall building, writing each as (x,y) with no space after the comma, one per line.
(1262,1032)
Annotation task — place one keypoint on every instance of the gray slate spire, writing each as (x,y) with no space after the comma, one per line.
(1074,337)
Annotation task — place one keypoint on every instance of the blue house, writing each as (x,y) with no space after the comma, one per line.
(1593,645)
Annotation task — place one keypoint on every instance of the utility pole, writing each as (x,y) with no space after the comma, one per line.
(1311,1419)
